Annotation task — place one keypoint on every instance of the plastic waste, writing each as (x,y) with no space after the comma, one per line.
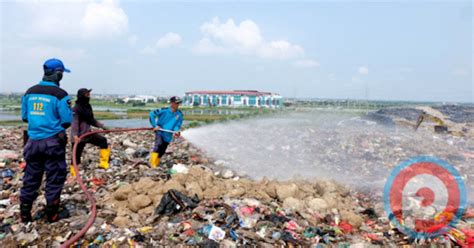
(248,221)
(233,235)
(242,213)
(216,233)
(345,227)
(289,236)
(276,235)
(6,173)
(292,225)
(145,229)
(179,168)
(174,201)
(99,239)
(262,231)
(205,230)
(311,232)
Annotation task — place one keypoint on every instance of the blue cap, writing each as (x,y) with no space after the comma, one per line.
(54,65)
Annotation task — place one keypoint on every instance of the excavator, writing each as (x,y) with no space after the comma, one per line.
(440,126)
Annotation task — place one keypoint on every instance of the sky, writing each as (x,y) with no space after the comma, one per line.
(379,50)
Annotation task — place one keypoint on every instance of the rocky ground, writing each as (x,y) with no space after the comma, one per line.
(210,206)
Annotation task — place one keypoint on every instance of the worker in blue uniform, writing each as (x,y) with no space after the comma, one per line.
(171,119)
(46,109)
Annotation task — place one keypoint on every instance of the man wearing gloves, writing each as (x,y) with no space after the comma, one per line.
(81,124)
(170,118)
(46,109)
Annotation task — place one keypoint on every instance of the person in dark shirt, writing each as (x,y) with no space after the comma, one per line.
(81,124)
(46,109)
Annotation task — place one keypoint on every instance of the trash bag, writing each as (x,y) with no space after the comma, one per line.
(370,212)
(288,237)
(209,243)
(277,219)
(174,201)
(141,153)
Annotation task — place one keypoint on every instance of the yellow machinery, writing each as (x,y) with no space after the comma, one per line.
(440,127)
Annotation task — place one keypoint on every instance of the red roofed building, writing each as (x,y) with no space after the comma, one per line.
(233,98)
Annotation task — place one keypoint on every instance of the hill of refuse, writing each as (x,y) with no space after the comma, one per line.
(190,200)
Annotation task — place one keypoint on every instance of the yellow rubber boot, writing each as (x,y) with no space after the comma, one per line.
(154,159)
(72,171)
(104,158)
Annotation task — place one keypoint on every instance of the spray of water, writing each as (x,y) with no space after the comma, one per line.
(323,144)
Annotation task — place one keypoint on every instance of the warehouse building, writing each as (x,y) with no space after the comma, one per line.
(236,98)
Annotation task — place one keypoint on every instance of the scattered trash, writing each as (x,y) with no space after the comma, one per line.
(188,204)
(346,227)
(8,154)
(7,173)
(227,174)
(179,168)
(212,232)
(97,181)
(174,201)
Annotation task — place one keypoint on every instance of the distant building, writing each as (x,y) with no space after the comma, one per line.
(236,98)
(142,99)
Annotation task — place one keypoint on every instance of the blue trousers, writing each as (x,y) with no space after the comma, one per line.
(46,155)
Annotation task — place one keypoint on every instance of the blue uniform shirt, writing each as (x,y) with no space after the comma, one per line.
(167,119)
(46,109)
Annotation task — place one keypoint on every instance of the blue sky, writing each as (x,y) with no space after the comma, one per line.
(389,50)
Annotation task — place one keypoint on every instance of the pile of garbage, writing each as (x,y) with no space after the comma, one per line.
(459,118)
(457,113)
(191,200)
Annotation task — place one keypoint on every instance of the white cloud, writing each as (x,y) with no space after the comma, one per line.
(104,19)
(75,19)
(280,49)
(306,63)
(243,38)
(169,40)
(460,72)
(63,24)
(132,39)
(363,70)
